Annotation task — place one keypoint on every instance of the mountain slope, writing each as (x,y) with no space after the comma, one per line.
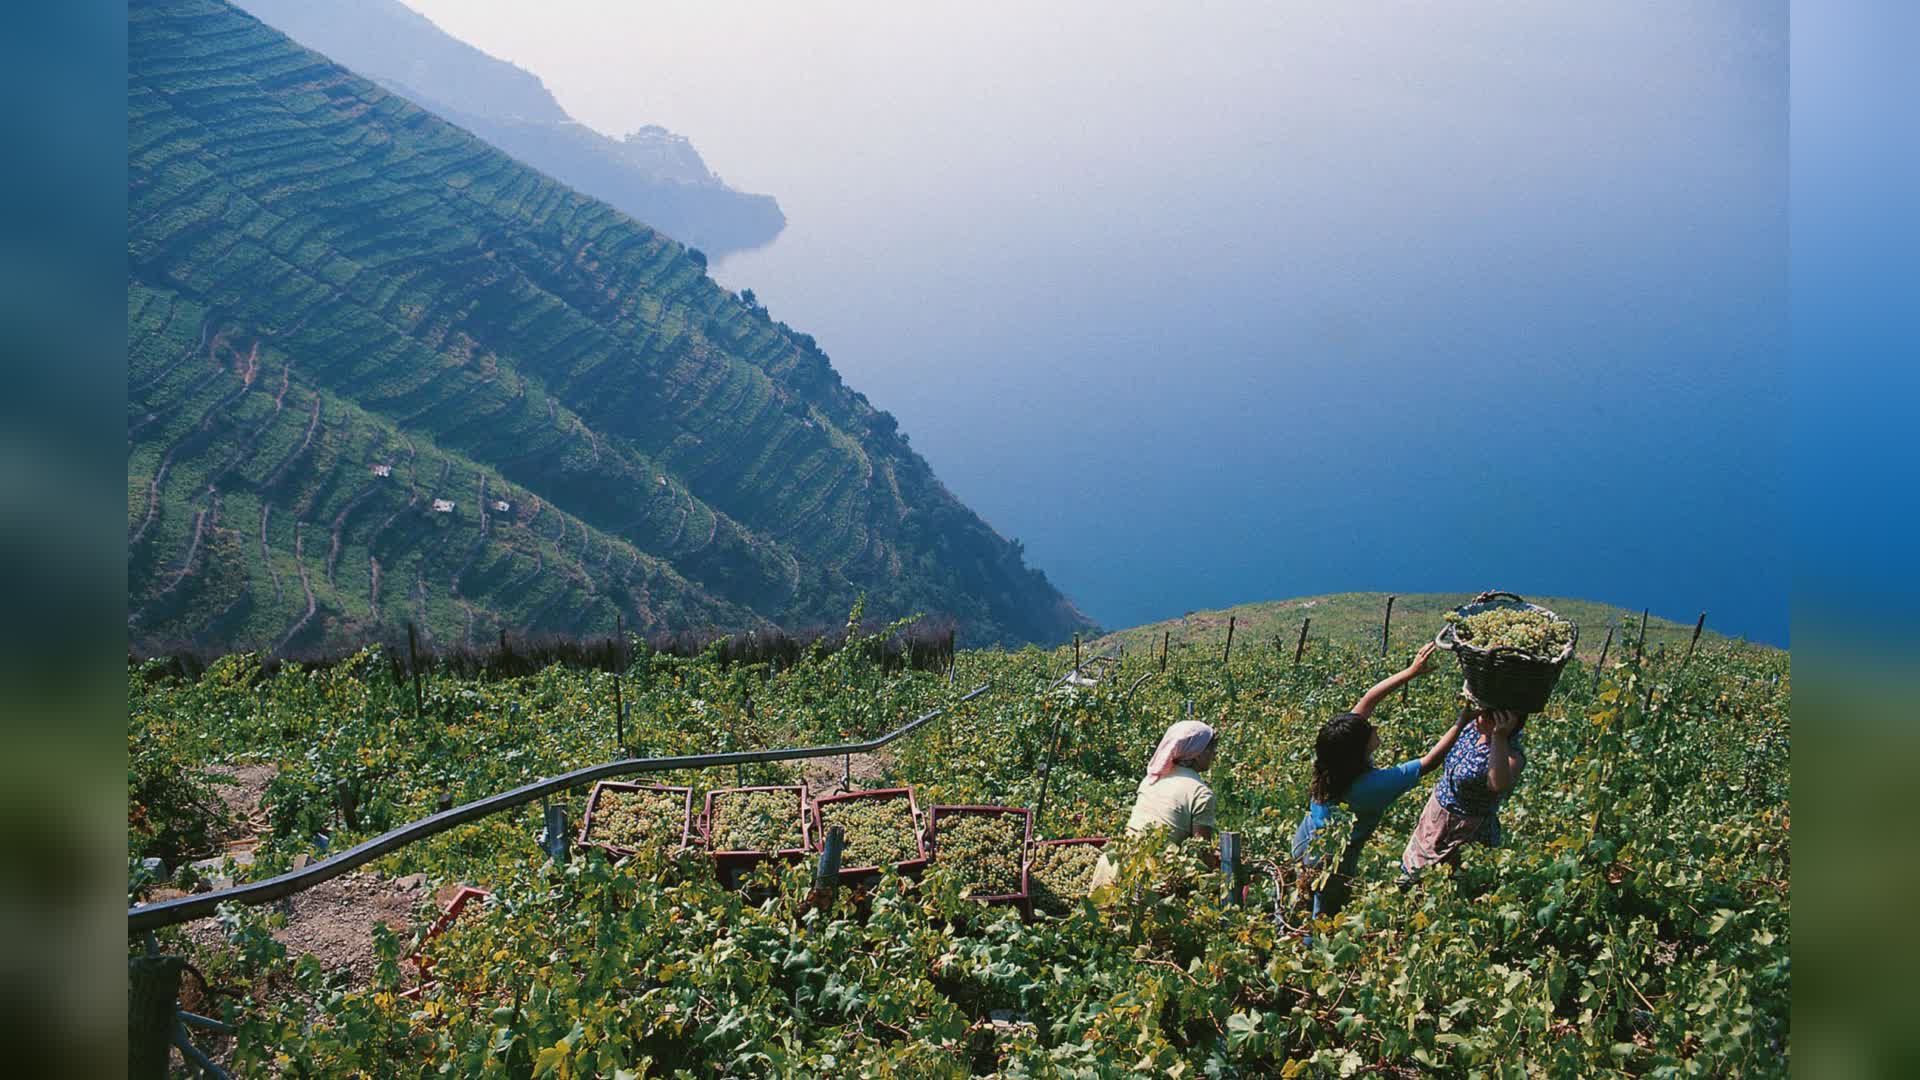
(328,282)
(652,174)
(1355,618)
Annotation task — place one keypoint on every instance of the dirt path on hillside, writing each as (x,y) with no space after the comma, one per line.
(824,776)
(242,789)
(334,920)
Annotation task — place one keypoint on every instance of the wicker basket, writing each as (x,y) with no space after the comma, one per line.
(1506,678)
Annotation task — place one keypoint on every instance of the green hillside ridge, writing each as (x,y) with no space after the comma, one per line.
(652,174)
(327,282)
(1354,619)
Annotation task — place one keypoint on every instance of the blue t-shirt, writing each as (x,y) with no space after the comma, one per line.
(1368,798)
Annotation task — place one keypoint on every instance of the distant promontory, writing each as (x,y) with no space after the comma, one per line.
(652,175)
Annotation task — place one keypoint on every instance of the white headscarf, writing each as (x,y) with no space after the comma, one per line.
(1183,741)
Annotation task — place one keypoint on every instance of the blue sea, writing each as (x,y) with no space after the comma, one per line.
(1523,328)
(1223,302)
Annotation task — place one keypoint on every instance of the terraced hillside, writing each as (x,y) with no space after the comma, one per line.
(652,174)
(378,370)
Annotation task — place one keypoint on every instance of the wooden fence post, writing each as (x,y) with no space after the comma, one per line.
(1165,643)
(413,658)
(1386,625)
(1601,665)
(1227,654)
(1301,646)
(1699,625)
(1076,652)
(1640,646)
(619,698)
(1046,772)
(826,873)
(347,800)
(1231,868)
(153,991)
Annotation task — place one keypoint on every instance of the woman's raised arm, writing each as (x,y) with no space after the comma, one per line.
(1503,762)
(1364,707)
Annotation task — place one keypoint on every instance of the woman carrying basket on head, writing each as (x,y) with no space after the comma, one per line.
(1173,796)
(1343,772)
(1480,772)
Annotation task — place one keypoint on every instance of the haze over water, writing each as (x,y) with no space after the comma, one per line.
(1210,303)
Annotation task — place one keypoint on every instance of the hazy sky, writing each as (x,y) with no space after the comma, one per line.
(774,90)
(1266,264)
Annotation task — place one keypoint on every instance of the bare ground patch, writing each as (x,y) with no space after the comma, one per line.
(334,921)
(242,789)
(825,776)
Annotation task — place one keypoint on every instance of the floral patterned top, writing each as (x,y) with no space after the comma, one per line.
(1463,787)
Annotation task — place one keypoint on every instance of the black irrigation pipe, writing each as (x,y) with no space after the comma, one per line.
(149,917)
(187,908)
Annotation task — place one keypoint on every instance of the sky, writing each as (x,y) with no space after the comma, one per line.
(1211,303)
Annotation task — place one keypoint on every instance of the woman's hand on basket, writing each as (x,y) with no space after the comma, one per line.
(1504,721)
(1485,595)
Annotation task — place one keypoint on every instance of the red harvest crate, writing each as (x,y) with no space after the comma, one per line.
(940,813)
(604,786)
(729,864)
(913,865)
(1039,897)
(423,961)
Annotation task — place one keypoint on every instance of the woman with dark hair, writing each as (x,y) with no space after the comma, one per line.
(1343,772)
(1465,808)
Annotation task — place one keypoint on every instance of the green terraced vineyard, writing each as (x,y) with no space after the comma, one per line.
(1638,921)
(380,372)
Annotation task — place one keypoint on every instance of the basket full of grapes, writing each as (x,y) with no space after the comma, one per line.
(1060,872)
(625,818)
(984,848)
(878,828)
(747,826)
(1511,651)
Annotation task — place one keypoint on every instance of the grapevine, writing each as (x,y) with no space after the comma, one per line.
(1637,921)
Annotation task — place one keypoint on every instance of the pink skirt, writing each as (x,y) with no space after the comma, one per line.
(1439,836)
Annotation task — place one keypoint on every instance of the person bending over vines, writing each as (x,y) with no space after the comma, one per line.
(1480,772)
(1343,772)
(1174,796)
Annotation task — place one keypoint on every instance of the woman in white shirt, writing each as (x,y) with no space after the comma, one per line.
(1173,796)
